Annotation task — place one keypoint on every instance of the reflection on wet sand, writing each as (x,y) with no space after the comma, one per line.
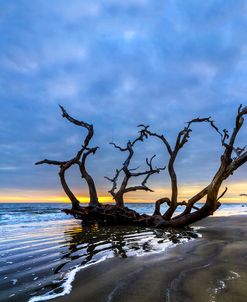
(87,242)
(210,269)
(87,245)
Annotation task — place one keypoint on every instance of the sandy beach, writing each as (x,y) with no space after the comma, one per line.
(46,255)
(210,268)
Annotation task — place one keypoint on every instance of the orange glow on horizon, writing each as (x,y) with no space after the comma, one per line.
(186,192)
(9,198)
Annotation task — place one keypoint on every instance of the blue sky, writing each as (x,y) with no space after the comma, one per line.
(117,64)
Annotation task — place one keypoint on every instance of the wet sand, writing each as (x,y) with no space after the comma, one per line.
(211,268)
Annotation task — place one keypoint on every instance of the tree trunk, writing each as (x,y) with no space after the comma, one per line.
(74,201)
(119,199)
(173,205)
(94,202)
(158,203)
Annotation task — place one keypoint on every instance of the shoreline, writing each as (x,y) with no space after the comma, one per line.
(42,253)
(216,262)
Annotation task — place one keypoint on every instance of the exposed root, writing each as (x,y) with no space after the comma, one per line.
(115,215)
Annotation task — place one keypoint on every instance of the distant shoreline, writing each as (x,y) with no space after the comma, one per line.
(86,203)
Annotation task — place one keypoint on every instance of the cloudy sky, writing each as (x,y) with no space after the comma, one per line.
(116,64)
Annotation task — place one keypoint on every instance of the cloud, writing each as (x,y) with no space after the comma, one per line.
(129,34)
(8,168)
(117,65)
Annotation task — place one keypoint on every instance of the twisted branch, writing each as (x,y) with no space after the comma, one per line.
(128,172)
(79,159)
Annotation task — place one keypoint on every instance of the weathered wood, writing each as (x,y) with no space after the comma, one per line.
(114,215)
(231,159)
(118,193)
(80,160)
(228,165)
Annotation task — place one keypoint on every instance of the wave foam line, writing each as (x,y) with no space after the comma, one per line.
(67,285)
(70,276)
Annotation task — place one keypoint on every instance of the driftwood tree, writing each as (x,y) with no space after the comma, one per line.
(80,160)
(181,139)
(128,173)
(231,159)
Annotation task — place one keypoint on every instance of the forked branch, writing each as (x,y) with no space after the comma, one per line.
(118,193)
(80,160)
(228,165)
(182,138)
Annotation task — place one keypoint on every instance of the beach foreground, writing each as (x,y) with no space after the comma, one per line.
(210,268)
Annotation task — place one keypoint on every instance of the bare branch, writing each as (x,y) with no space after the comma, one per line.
(51,162)
(128,159)
(114,181)
(145,127)
(238,124)
(81,124)
(235,164)
(89,151)
(131,144)
(79,159)
(149,162)
(227,168)
(139,138)
(118,147)
(138,188)
(184,203)
(73,120)
(225,136)
(204,119)
(134,169)
(222,194)
(162,138)
(239,150)
(148,173)
(186,131)
(182,138)
(158,203)
(118,196)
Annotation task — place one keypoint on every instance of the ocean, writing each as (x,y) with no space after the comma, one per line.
(42,248)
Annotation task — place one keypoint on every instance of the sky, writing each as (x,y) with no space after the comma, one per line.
(117,64)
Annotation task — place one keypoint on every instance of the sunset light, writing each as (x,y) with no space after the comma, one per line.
(123,150)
